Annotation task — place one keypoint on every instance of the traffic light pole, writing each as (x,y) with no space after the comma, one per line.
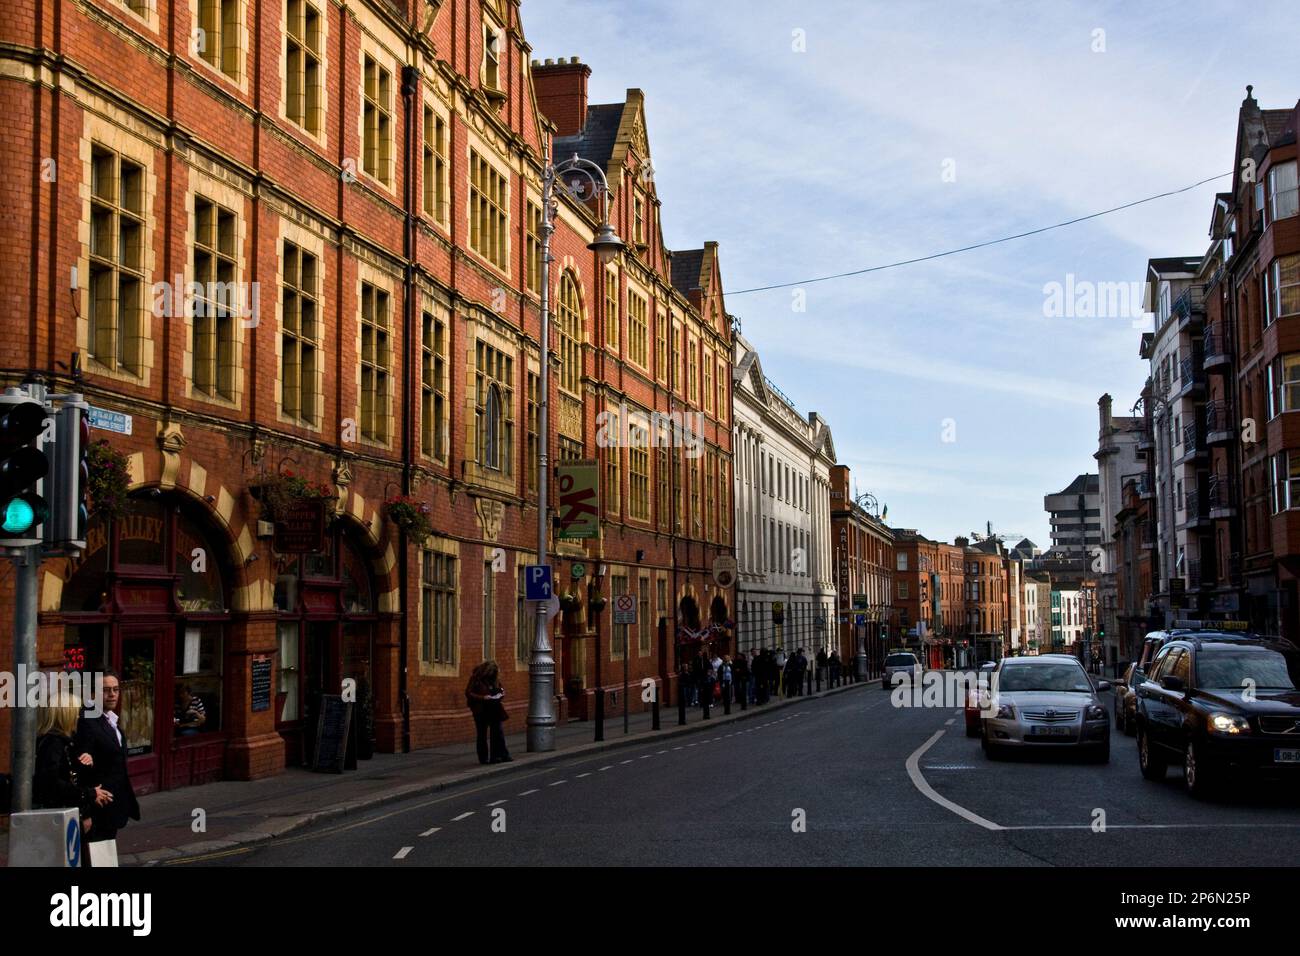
(23,727)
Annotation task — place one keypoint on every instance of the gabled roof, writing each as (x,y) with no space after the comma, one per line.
(596,141)
(688,265)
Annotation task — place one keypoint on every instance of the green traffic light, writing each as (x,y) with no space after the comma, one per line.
(19,516)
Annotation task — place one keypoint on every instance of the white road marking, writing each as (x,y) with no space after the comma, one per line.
(677,748)
(557,783)
(527,792)
(658,752)
(495,803)
(621,762)
(646,756)
(581,775)
(467,813)
(919,781)
(950,721)
(606,767)
(431,831)
(401,854)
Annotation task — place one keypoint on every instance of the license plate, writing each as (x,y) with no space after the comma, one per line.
(1286,756)
(1050,731)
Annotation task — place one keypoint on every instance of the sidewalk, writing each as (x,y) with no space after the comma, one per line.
(243,812)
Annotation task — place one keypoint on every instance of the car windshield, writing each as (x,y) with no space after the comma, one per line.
(1235,667)
(1068,678)
(899,660)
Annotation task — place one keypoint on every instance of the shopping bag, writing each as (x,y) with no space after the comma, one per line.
(102,852)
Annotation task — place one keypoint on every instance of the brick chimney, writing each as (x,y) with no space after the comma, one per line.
(562,93)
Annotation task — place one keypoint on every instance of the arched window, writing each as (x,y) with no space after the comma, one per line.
(571,335)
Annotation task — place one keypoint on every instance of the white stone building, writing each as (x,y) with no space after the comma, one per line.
(783,515)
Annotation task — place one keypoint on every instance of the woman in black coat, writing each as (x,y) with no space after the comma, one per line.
(59,781)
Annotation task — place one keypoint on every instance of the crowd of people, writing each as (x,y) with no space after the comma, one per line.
(710,678)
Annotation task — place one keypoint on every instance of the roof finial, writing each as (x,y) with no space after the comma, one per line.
(1250,94)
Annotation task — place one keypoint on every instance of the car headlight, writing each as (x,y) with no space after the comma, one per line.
(1006,712)
(1096,712)
(1229,724)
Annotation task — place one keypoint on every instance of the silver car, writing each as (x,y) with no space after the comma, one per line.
(1045,701)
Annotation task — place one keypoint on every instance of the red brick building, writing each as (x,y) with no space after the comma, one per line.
(297,245)
(864,576)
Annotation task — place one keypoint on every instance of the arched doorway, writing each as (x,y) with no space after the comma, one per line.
(149,598)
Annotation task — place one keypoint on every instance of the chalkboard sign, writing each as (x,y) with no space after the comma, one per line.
(262,682)
(334,742)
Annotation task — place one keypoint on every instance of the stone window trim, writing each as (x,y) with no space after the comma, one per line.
(314,244)
(478,153)
(383,283)
(385,99)
(483,328)
(99,132)
(200,56)
(438,386)
(136,11)
(435,109)
(321,136)
(204,187)
(430,668)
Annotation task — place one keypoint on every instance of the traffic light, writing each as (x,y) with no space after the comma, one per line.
(23,466)
(67,525)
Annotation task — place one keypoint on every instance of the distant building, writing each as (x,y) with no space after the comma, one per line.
(1075,513)
(1118,460)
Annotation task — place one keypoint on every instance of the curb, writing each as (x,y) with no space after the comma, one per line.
(274,827)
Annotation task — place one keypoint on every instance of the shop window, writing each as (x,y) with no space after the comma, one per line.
(199,567)
(357,598)
(287,637)
(198,669)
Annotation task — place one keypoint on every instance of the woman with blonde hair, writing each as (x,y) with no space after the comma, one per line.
(56,783)
(483,694)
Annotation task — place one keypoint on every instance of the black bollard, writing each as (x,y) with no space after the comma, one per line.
(681,702)
(819,680)
(654,712)
(744,697)
(706,693)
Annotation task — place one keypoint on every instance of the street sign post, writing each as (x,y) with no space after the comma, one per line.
(625,613)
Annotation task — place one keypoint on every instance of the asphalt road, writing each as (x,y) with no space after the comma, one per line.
(872,784)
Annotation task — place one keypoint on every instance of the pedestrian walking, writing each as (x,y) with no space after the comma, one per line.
(833,662)
(822,667)
(726,675)
(62,775)
(485,696)
(100,737)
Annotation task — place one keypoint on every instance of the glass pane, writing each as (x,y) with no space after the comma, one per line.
(199,565)
(197,703)
(287,636)
(140,533)
(137,707)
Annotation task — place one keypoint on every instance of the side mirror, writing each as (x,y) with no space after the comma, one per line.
(1173,682)
(1103,685)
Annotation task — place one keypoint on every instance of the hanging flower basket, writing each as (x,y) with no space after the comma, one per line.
(570,601)
(414,517)
(109,479)
(279,492)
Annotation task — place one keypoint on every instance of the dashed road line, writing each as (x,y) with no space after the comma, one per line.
(581,775)
(527,792)
(557,783)
(431,831)
(467,813)
(496,803)
(401,854)
(606,767)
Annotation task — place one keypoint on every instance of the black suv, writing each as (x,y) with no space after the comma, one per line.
(1220,702)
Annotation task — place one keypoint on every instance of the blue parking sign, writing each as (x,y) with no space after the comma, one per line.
(537,582)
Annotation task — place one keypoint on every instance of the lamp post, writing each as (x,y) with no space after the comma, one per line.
(606,245)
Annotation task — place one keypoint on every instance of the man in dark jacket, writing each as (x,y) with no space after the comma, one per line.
(102,738)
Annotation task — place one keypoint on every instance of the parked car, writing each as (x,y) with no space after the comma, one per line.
(1046,701)
(1125,701)
(977,697)
(903,662)
(1220,703)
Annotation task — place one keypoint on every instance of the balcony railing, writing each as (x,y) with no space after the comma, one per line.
(1190,302)
(1218,422)
(1219,492)
(1191,374)
(1216,347)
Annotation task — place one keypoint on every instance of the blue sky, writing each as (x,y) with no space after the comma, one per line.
(803,164)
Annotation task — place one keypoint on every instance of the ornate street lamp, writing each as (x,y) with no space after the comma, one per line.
(606,245)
